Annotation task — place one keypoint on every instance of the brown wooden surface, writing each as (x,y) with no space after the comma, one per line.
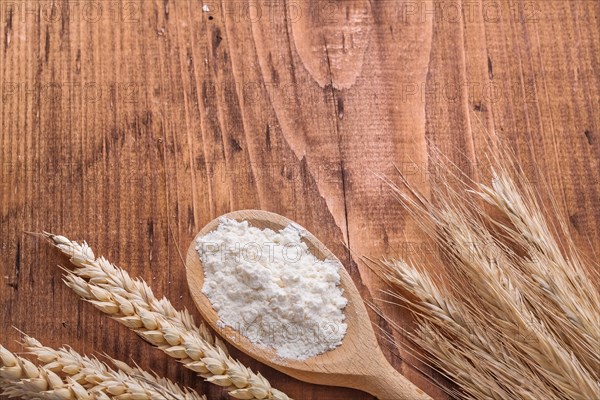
(132,124)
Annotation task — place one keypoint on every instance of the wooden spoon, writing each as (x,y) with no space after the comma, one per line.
(357,363)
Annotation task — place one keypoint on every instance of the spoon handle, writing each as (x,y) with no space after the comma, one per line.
(389,384)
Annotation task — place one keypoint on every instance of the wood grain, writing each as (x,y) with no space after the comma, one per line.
(131,124)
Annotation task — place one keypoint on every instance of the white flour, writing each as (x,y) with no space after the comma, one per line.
(270,288)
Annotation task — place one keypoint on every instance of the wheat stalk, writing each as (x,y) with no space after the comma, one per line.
(476,382)
(445,318)
(64,374)
(95,376)
(501,294)
(131,302)
(555,281)
(19,377)
(125,289)
(496,295)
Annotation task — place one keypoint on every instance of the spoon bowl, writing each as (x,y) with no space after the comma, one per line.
(357,363)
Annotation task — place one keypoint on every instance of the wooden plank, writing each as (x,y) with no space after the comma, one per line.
(132,124)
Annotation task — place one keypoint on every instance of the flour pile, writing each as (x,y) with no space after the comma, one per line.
(268,286)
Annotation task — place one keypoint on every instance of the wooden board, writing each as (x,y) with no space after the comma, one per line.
(132,124)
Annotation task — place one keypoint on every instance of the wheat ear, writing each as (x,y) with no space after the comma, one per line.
(95,376)
(131,302)
(65,375)
(498,296)
(467,344)
(563,293)
(19,377)
(505,305)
